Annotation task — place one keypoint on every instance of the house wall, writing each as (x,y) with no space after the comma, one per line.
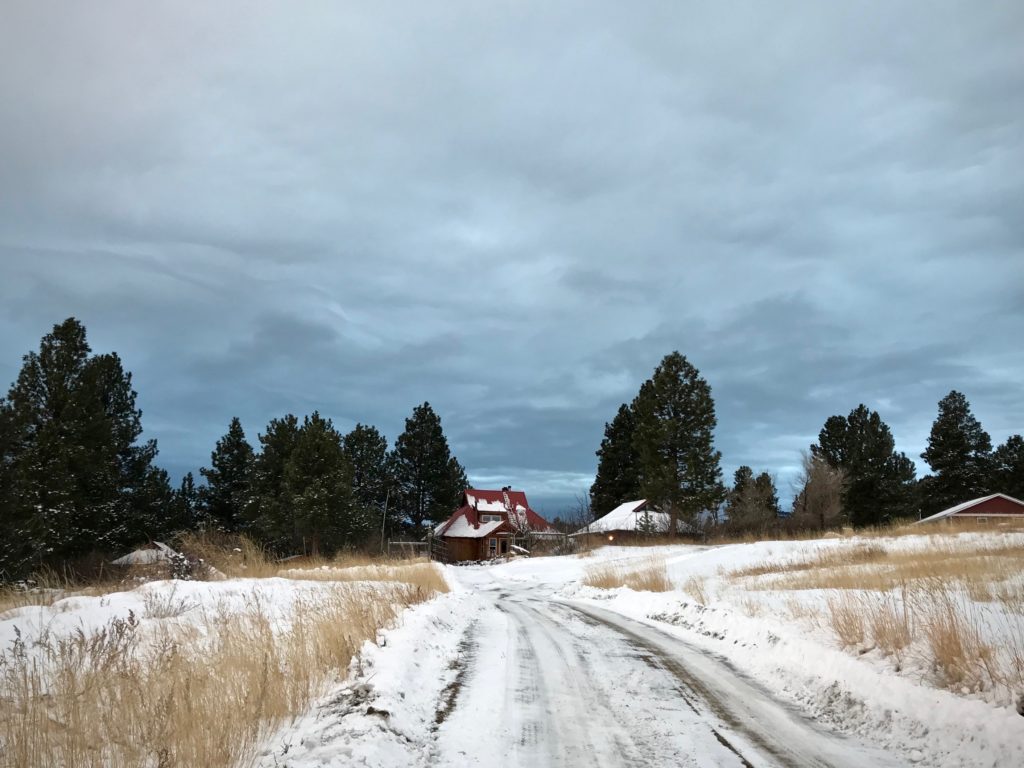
(462,550)
(996,506)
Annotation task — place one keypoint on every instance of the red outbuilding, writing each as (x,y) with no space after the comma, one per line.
(487,525)
(995,509)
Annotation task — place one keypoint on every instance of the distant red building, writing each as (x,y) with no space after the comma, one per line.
(997,508)
(488,524)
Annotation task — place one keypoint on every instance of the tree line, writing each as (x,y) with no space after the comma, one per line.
(660,447)
(78,483)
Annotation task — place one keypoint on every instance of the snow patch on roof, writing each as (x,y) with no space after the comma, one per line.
(158,553)
(461,528)
(628,517)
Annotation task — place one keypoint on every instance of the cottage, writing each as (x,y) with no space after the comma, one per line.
(998,509)
(489,524)
(628,521)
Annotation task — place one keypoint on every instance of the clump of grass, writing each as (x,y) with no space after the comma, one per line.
(846,618)
(648,576)
(696,587)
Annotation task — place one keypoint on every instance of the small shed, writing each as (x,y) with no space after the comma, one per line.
(628,521)
(997,508)
(489,524)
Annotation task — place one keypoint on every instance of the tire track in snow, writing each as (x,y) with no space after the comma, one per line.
(717,692)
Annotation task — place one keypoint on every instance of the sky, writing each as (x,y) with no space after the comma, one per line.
(514,210)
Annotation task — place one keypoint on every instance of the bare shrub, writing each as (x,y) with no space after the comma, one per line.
(696,587)
(818,503)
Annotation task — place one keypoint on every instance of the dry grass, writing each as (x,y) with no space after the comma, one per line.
(648,576)
(984,567)
(419,574)
(923,602)
(203,692)
(696,587)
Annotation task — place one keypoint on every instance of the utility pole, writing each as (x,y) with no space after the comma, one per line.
(384,520)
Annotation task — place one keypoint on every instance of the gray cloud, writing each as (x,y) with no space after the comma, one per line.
(515,211)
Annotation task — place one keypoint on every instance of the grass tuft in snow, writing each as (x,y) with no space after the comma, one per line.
(650,575)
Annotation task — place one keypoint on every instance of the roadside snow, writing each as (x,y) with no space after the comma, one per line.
(387,711)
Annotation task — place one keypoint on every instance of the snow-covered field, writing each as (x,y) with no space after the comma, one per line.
(522,664)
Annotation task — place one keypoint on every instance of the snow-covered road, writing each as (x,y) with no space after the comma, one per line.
(545,681)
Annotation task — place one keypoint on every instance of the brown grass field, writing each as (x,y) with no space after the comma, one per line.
(199,693)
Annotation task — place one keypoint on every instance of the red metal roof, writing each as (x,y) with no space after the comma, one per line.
(494,503)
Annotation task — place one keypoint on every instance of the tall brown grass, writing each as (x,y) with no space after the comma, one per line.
(199,693)
(649,576)
(923,602)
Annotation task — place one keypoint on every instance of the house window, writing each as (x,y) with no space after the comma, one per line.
(492,547)
(490,518)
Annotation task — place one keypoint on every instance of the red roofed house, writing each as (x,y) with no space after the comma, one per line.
(487,524)
(998,508)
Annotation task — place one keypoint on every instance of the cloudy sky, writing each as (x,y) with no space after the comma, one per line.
(515,209)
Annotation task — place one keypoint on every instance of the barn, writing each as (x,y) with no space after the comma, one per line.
(487,525)
(629,520)
(996,509)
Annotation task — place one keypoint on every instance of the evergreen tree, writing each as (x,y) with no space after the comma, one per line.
(318,481)
(271,515)
(878,479)
(185,505)
(75,476)
(645,524)
(1008,468)
(616,480)
(959,453)
(228,489)
(753,502)
(673,440)
(428,479)
(367,452)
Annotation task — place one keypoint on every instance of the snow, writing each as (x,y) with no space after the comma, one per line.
(626,517)
(461,528)
(520,664)
(158,553)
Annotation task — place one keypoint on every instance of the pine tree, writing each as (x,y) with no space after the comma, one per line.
(318,480)
(616,480)
(878,479)
(959,453)
(367,452)
(753,502)
(185,505)
(76,477)
(673,441)
(428,479)
(271,515)
(1008,468)
(228,490)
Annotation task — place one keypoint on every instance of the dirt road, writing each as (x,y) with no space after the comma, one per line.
(546,682)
